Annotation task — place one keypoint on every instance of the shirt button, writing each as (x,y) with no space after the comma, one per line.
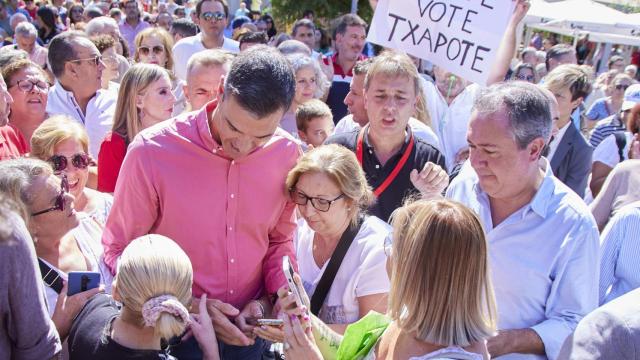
(377,166)
(230,291)
(370,152)
(233,162)
(230,228)
(232,196)
(232,260)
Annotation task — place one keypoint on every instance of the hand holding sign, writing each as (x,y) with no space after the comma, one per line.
(459,35)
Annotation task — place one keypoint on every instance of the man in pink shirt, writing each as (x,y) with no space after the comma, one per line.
(132,24)
(214,181)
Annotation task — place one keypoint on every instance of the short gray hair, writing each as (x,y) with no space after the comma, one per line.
(96,25)
(17,16)
(291,46)
(26,29)
(300,61)
(17,175)
(211,57)
(526,106)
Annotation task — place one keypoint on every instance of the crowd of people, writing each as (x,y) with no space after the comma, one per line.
(187,157)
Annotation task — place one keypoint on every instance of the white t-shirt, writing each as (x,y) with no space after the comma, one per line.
(450,122)
(607,151)
(362,272)
(88,235)
(419,129)
(185,48)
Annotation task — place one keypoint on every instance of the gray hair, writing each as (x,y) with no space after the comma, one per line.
(211,57)
(61,50)
(289,47)
(26,29)
(17,17)
(17,176)
(526,106)
(300,61)
(96,25)
(302,22)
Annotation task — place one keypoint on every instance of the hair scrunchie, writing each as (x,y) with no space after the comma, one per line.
(152,309)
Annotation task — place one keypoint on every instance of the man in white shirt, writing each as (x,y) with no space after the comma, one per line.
(358,118)
(211,16)
(543,241)
(77,65)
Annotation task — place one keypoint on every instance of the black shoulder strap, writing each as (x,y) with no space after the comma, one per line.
(50,276)
(621,142)
(332,268)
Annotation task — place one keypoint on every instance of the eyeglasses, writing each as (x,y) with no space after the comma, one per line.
(526,77)
(622,87)
(59,204)
(96,60)
(60,163)
(217,16)
(145,50)
(319,204)
(28,85)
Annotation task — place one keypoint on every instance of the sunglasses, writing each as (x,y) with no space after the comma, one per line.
(145,50)
(217,16)
(526,77)
(28,85)
(318,203)
(96,60)
(60,163)
(622,87)
(59,204)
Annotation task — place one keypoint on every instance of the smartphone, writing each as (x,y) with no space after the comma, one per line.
(287,268)
(270,322)
(80,281)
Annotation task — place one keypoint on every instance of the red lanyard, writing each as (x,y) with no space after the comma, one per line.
(392,176)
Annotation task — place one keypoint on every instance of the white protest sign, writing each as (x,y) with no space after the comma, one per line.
(461,36)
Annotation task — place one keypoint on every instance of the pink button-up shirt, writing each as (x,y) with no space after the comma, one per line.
(233,218)
(129,33)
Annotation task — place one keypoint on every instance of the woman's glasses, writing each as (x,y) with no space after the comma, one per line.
(28,85)
(60,162)
(319,204)
(145,50)
(59,204)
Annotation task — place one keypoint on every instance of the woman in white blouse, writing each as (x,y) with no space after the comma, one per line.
(331,192)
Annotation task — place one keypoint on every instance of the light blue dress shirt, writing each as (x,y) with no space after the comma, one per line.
(543,258)
(619,264)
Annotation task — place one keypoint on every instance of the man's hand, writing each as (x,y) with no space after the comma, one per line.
(431,181)
(327,69)
(226,331)
(252,311)
(524,341)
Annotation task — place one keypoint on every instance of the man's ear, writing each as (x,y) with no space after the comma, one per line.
(575,103)
(70,69)
(535,149)
(220,89)
(114,290)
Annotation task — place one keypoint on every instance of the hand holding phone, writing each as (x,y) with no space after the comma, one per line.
(270,322)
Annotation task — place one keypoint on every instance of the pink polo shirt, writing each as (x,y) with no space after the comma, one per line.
(233,218)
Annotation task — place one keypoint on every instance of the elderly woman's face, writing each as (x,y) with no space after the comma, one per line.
(324,193)
(77,174)
(306,85)
(28,88)
(48,194)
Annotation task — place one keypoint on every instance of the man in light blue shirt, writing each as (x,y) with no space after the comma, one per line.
(543,241)
(619,268)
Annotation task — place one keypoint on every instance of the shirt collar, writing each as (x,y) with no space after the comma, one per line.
(407,137)
(539,204)
(202,121)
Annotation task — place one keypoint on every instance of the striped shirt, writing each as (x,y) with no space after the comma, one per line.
(619,266)
(605,128)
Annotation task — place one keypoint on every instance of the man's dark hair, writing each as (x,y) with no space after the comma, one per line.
(184,27)
(61,50)
(261,80)
(557,51)
(343,22)
(302,22)
(257,37)
(308,12)
(223,2)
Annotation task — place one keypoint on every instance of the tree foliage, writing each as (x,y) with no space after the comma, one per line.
(288,11)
